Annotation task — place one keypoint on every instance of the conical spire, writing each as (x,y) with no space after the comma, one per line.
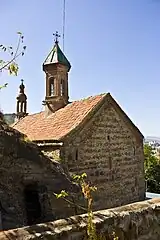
(56,55)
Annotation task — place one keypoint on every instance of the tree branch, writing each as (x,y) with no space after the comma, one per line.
(6,64)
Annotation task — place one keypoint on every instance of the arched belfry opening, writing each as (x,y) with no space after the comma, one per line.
(56,68)
(51,86)
(62,87)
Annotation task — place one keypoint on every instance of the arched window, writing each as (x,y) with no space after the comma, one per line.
(51,86)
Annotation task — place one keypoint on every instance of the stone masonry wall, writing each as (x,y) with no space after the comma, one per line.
(13,182)
(137,221)
(108,151)
(21,165)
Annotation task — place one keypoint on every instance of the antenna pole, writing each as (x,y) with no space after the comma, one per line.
(64,13)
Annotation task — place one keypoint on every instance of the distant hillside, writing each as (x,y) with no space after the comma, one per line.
(151,139)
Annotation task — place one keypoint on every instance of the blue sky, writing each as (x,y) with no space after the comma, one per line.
(113,46)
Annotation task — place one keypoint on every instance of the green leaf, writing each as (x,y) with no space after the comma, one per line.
(19,33)
(93,189)
(62,194)
(3,86)
(13,69)
(84,175)
(76,177)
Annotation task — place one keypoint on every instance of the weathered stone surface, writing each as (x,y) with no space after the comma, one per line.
(138,221)
(109,152)
(22,164)
(107,149)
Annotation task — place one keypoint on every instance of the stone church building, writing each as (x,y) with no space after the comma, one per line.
(92,135)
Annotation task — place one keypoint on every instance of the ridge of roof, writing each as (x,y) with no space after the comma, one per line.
(87,98)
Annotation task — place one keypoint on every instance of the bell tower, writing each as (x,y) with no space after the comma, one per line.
(21,102)
(56,68)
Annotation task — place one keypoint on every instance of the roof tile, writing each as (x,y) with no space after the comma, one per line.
(59,124)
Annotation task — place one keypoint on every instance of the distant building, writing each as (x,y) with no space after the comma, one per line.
(155,144)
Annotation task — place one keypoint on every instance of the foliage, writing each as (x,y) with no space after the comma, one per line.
(25,138)
(149,156)
(87,193)
(153,178)
(10,65)
(62,194)
(152,170)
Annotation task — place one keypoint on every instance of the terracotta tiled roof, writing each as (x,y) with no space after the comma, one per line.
(59,124)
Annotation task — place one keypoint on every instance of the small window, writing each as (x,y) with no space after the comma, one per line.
(110,162)
(76,157)
(134,150)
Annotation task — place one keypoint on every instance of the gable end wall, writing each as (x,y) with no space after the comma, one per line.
(108,151)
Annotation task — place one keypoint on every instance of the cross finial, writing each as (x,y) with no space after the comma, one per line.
(56,36)
(22,87)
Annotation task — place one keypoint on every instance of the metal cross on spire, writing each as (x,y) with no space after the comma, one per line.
(56,36)
(22,87)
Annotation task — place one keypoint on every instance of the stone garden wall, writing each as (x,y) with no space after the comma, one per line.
(139,220)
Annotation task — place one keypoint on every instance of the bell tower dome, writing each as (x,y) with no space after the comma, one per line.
(56,68)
